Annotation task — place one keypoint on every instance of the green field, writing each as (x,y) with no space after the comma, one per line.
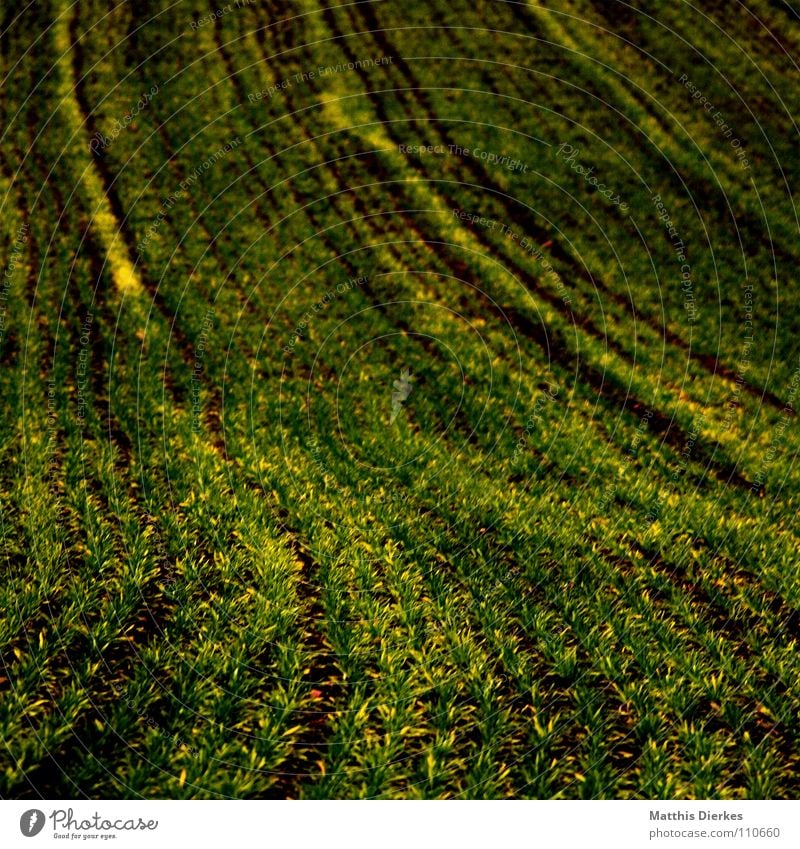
(398,400)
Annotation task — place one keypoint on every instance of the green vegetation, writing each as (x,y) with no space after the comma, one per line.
(399,401)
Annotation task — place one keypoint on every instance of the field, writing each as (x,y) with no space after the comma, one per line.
(399,400)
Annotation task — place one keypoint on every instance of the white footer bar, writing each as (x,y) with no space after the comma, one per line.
(402,825)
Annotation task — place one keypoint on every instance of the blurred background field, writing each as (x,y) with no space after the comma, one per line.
(398,400)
